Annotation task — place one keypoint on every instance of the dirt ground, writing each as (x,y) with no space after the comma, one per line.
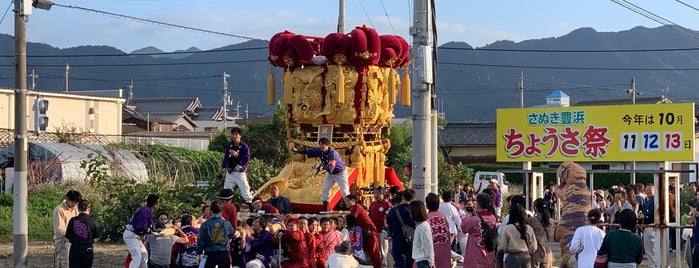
(112,255)
(40,255)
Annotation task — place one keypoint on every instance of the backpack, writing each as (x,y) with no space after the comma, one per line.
(490,236)
(408,232)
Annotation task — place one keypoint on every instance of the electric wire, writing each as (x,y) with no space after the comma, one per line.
(387,17)
(5,14)
(367,14)
(141,64)
(141,54)
(156,22)
(569,68)
(639,10)
(688,5)
(572,50)
(529,80)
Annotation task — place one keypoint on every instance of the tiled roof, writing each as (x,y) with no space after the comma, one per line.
(646,100)
(208,113)
(473,134)
(166,105)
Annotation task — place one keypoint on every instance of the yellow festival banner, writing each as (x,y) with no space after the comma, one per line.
(642,132)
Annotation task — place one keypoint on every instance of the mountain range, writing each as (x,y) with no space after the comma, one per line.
(470,83)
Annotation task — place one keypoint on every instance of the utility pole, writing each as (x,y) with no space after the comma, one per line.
(246,110)
(129,100)
(225,100)
(237,109)
(33,76)
(67,70)
(421,180)
(521,90)
(341,18)
(632,91)
(20,226)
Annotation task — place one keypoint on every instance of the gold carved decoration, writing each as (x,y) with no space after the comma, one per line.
(307,98)
(340,113)
(300,183)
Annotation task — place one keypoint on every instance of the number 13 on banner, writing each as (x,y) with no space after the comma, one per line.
(672,141)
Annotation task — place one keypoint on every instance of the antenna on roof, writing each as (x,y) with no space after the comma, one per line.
(129,99)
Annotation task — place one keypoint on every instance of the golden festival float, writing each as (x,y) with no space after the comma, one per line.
(342,87)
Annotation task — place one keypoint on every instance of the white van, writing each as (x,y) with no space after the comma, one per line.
(484,177)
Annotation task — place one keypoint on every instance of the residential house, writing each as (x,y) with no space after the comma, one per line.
(161,114)
(79,111)
(468,142)
(211,119)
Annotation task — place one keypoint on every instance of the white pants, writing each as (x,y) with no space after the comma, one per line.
(384,245)
(239,179)
(340,179)
(648,246)
(139,255)
(60,251)
(463,239)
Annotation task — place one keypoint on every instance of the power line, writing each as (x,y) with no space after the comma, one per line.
(529,80)
(8,9)
(639,10)
(367,14)
(573,50)
(688,5)
(139,54)
(569,68)
(141,64)
(387,17)
(157,22)
(151,84)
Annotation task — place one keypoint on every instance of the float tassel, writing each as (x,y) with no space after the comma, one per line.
(391,86)
(271,84)
(405,88)
(288,84)
(340,85)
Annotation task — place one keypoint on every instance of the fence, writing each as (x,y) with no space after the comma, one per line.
(7,138)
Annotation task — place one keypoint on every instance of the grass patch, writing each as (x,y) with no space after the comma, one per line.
(40,206)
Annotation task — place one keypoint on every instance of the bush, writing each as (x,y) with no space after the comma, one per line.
(123,196)
(40,206)
(219,141)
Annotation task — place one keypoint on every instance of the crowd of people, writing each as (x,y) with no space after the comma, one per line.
(462,225)
(395,230)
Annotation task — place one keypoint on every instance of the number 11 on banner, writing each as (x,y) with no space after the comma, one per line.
(672,141)
(629,141)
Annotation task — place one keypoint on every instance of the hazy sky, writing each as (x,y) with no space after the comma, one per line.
(475,22)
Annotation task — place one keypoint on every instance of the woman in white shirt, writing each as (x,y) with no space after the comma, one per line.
(587,240)
(342,258)
(423,246)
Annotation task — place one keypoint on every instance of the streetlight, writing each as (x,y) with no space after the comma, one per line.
(20,225)
(42,4)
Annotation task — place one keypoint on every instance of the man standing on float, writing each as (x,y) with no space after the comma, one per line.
(235,163)
(331,162)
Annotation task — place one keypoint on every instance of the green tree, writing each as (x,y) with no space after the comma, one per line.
(219,141)
(400,152)
(267,140)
